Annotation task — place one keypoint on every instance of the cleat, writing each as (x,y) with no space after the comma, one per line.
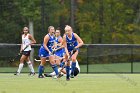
(40,76)
(32,74)
(17,74)
(47,75)
(72,76)
(60,75)
(55,77)
(67,79)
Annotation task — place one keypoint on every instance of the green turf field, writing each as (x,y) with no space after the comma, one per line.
(84,83)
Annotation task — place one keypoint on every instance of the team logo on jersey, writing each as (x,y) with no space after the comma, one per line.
(42,55)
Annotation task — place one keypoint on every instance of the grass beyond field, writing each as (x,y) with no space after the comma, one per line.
(84,83)
(116,67)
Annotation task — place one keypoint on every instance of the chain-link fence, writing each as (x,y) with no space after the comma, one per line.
(93,58)
(95,21)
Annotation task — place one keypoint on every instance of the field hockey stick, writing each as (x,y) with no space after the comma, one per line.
(38,60)
(16,56)
(53,51)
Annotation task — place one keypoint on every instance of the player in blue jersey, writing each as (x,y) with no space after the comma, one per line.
(46,50)
(72,42)
(59,47)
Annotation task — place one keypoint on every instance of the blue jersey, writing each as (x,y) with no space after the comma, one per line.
(50,42)
(61,51)
(42,51)
(71,43)
(57,40)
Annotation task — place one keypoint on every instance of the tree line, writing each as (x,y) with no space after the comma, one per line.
(96,21)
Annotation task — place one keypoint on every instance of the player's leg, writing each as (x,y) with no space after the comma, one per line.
(23,57)
(57,60)
(63,58)
(53,64)
(73,65)
(30,65)
(41,67)
(54,74)
(43,54)
(67,68)
(60,55)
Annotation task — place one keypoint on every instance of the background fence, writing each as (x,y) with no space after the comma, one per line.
(93,58)
(102,23)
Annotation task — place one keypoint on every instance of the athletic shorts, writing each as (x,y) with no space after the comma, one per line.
(70,50)
(60,52)
(43,52)
(26,53)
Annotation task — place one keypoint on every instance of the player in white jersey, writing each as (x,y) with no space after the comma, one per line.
(27,41)
(63,71)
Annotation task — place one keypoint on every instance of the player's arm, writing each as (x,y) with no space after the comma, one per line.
(33,41)
(60,44)
(54,45)
(61,41)
(21,47)
(46,39)
(65,45)
(79,40)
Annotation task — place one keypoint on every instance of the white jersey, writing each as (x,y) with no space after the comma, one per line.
(77,66)
(26,41)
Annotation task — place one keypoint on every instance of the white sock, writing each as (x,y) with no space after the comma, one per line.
(20,67)
(30,66)
(53,73)
(59,69)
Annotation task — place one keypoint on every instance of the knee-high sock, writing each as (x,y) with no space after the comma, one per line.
(30,66)
(55,68)
(62,64)
(20,67)
(40,69)
(67,72)
(73,67)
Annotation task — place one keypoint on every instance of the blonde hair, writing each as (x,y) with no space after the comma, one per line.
(67,27)
(50,27)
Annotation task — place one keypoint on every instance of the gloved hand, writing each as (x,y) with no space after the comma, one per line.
(53,52)
(74,50)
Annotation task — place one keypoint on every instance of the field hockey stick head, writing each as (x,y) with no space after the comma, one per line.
(74,50)
(12,60)
(53,52)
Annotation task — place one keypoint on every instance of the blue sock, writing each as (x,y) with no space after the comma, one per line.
(67,72)
(73,67)
(40,69)
(62,64)
(55,68)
